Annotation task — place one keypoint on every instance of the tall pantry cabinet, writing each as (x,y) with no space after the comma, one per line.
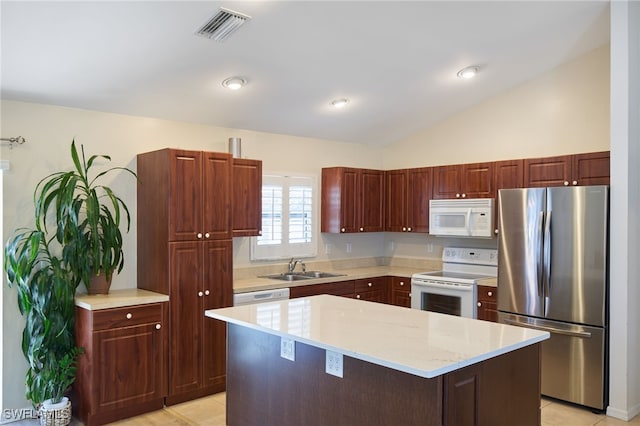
(185,251)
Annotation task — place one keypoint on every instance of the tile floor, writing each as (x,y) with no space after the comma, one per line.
(210,411)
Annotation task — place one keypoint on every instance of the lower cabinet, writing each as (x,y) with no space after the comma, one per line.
(487,303)
(122,371)
(400,294)
(340,288)
(372,289)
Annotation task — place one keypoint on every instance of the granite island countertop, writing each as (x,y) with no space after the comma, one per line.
(421,343)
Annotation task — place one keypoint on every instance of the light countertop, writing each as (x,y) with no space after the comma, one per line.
(425,344)
(119,298)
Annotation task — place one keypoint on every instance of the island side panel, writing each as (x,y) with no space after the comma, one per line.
(264,388)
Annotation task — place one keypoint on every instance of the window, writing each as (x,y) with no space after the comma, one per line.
(288,218)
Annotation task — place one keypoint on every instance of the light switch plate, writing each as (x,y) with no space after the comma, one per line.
(288,348)
(333,363)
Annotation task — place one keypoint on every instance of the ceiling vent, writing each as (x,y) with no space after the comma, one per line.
(222,24)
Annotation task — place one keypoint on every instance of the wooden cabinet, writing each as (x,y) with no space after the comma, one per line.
(487,303)
(407,195)
(400,291)
(339,288)
(568,170)
(246,198)
(352,200)
(121,373)
(464,181)
(372,289)
(509,174)
(185,251)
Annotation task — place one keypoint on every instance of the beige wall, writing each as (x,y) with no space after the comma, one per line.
(563,111)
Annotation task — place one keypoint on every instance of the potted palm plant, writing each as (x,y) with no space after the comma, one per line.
(87,218)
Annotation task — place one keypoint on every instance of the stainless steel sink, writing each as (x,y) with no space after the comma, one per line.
(295,276)
(320,274)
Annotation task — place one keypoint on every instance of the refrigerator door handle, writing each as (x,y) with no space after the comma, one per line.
(547,261)
(540,265)
(582,334)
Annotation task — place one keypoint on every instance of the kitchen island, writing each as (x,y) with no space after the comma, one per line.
(398,366)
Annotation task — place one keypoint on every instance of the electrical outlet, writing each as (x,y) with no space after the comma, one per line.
(333,363)
(288,348)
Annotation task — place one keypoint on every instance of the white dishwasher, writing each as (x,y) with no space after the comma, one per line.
(263,296)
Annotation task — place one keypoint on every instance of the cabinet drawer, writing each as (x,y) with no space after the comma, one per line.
(127,316)
(341,288)
(401,284)
(369,284)
(487,293)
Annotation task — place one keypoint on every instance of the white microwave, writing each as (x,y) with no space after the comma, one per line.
(469,217)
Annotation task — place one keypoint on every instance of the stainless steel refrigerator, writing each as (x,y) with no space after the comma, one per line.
(552,275)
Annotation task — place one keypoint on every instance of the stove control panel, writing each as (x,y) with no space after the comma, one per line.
(470,256)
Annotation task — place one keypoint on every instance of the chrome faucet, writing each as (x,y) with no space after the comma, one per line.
(292,265)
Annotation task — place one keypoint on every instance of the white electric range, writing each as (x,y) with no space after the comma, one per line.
(453,290)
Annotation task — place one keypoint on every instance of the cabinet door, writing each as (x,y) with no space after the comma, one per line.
(128,366)
(217,196)
(549,171)
(373,289)
(185,202)
(396,191)
(478,180)
(509,174)
(218,293)
(447,182)
(487,303)
(401,291)
(247,198)
(419,183)
(186,307)
(349,201)
(371,201)
(591,169)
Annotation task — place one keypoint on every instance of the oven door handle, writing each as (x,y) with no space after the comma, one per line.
(456,287)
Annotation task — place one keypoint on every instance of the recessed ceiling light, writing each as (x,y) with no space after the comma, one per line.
(468,72)
(340,103)
(234,83)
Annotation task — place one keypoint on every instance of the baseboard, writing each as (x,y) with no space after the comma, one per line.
(625,415)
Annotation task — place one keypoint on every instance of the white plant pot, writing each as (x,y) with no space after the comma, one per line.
(58,414)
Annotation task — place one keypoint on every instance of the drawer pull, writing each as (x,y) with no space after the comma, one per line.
(479,304)
(402,283)
(357,296)
(158,326)
(490,293)
(129,316)
(370,285)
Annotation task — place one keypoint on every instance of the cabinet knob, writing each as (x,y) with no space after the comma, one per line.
(409,229)
(566,183)
(464,195)
(370,285)
(206,293)
(575,182)
(404,229)
(495,231)
(158,326)
(199,235)
(341,229)
(479,304)
(490,293)
(401,283)
(207,235)
(361,229)
(199,294)
(260,232)
(409,294)
(129,316)
(357,296)
(457,195)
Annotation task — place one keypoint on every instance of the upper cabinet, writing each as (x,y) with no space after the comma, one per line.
(579,169)
(246,198)
(352,200)
(464,181)
(190,192)
(407,195)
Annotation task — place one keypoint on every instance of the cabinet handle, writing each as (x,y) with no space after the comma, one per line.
(409,229)
(575,182)
(479,304)
(566,183)
(199,294)
(342,229)
(457,195)
(401,283)
(361,229)
(206,293)
(199,235)
(464,195)
(409,295)
(260,232)
(490,293)
(206,235)
(357,296)
(495,231)
(370,284)
(129,316)
(158,326)
(404,229)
